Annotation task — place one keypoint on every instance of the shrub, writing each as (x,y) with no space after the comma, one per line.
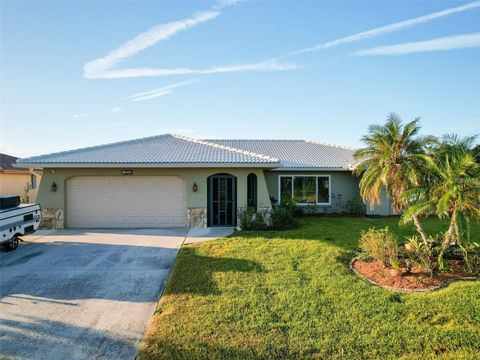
(381,245)
(252,220)
(310,209)
(354,206)
(282,219)
(291,206)
(472,257)
(417,254)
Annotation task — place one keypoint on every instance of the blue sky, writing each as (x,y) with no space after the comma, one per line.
(76,74)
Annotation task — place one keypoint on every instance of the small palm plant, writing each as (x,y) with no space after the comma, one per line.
(394,159)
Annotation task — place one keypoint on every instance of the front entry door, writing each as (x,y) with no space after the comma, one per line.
(222,200)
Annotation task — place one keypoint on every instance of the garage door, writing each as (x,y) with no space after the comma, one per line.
(126,202)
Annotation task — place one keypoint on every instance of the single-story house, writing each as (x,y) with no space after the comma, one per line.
(18,181)
(177,181)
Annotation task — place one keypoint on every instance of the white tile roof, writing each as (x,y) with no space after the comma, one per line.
(175,150)
(297,153)
(162,149)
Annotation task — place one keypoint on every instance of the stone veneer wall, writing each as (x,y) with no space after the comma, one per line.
(52,219)
(197,218)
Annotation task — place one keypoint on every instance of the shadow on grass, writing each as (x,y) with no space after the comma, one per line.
(161,349)
(193,273)
(343,231)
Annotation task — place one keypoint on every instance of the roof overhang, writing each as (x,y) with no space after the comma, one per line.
(292,169)
(15,171)
(148,165)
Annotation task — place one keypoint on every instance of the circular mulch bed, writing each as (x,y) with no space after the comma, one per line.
(400,280)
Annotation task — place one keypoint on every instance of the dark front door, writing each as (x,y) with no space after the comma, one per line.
(222,200)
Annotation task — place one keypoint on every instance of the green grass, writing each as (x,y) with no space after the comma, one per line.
(291,295)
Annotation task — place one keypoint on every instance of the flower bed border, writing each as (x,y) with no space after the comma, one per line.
(433,288)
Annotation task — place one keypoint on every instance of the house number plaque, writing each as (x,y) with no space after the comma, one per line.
(126,171)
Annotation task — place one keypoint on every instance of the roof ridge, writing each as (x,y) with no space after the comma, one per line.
(253,140)
(224,147)
(91,147)
(332,145)
(290,140)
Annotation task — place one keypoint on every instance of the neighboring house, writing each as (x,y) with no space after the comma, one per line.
(177,181)
(17,181)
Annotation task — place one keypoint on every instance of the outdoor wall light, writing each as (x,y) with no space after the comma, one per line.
(53,187)
(195,187)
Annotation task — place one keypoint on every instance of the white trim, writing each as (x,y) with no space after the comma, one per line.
(148,165)
(279,192)
(294,169)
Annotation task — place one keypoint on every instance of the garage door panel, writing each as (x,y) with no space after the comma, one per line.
(137,201)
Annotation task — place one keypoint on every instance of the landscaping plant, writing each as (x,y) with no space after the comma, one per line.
(380,245)
(252,220)
(393,159)
(291,206)
(451,191)
(423,176)
(418,255)
(282,219)
(354,206)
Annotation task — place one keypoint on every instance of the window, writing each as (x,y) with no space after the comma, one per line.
(306,189)
(33,180)
(323,189)
(286,187)
(252,191)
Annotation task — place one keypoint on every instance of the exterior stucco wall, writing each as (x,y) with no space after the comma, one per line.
(342,183)
(15,184)
(382,209)
(195,200)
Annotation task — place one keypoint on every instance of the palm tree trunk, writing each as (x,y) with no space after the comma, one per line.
(449,235)
(420,230)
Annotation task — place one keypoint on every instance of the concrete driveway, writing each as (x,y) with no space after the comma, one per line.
(83,294)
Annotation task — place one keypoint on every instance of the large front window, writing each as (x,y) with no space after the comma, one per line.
(306,189)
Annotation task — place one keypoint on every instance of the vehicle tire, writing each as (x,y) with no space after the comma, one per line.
(12,244)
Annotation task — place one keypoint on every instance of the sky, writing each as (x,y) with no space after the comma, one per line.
(76,74)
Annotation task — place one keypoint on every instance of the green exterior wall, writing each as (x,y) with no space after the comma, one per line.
(341,182)
(56,200)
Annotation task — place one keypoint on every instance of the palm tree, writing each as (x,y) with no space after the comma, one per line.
(453,190)
(450,144)
(394,159)
(476,153)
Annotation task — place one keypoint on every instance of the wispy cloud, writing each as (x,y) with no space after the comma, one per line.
(267,65)
(116,109)
(152,94)
(439,44)
(384,29)
(80,115)
(99,67)
(104,67)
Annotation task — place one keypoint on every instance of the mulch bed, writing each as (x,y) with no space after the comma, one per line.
(417,280)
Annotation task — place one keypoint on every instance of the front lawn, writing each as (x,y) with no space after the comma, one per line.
(290,295)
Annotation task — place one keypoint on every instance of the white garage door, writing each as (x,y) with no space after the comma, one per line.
(126,202)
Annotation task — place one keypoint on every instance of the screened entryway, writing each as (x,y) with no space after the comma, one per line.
(222,200)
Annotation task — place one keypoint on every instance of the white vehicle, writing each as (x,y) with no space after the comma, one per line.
(16,220)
